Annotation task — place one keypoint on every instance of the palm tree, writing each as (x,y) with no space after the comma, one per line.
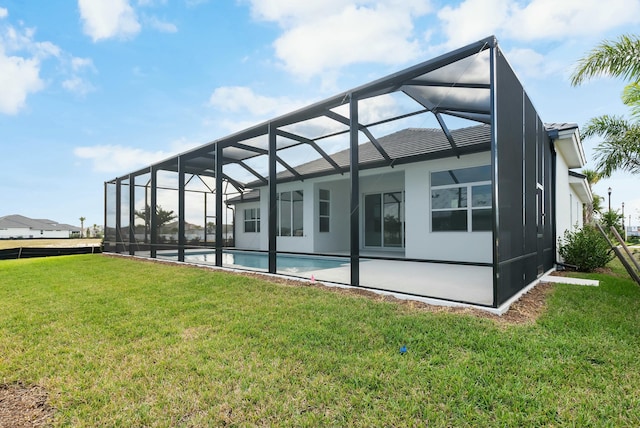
(620,149)
(596,205)
(82,219)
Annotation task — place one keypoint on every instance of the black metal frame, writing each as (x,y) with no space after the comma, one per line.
(505,102)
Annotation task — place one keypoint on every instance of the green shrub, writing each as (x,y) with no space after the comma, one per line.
(585,248)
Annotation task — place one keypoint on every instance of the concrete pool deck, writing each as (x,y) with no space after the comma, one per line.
(462,283)
(442,281)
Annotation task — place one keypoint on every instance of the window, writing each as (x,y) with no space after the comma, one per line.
(461,200)
(252,220)
(324,209)
(384,220)
(290,213)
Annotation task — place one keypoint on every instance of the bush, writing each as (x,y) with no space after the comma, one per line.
(585,248)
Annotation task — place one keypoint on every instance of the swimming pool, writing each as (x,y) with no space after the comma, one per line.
(286,263)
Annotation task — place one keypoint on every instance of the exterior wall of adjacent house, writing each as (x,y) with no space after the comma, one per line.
(413,179)
(27,233)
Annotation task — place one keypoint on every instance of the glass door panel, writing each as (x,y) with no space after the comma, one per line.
(393,219)
(372,221)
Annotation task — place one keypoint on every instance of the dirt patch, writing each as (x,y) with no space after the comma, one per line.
(24,406)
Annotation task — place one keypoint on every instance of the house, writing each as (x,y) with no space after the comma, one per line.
(17,226)
(445,185)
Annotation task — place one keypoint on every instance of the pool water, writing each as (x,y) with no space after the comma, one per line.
(284,263)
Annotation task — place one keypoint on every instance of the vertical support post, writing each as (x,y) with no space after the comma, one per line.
(355,191)
(118,214)
(153,211)
(105,229)
(219,193)
(494,173)
(181,208)
(273,207)
(146,213)
(132,214)
(206,217)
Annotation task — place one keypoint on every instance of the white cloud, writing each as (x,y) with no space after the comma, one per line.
(251,108)
(19,78)
(183,144)
(3,12)
(162,26)
(105,19)
(118,159)
(320,37)
(78,86)
(241,99)
(75,83)
(151,2)
(530,62)
(20,64)
(22,39)
(534,20)
(78,63)
(570,18)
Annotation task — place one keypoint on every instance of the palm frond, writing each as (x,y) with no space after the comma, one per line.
(622,153)
(631,97)
(606,126)
(619,58)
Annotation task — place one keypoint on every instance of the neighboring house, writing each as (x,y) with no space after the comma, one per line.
(466,210)
(20,227)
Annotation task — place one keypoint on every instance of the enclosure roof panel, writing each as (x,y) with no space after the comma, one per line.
(408,145)
(456,83)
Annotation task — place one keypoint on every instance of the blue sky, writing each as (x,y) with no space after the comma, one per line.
(94,89)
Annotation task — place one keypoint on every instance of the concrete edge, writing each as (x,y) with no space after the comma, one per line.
(570,280)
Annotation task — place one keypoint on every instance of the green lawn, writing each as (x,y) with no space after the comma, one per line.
(119,342)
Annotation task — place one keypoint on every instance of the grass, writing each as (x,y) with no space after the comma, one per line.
(41,243)
(119,342)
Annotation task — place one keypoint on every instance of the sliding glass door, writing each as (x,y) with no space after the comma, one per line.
(384,220)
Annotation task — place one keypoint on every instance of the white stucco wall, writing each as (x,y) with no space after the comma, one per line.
(337,239)
(568,203)
(414,179)
(26,233)
(421,243)
(251,240)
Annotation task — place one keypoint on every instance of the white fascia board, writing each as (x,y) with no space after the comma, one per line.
(581,187)
(569,145)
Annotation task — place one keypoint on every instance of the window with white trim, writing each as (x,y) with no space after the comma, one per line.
(461,200)
(290,213)
(252,220)
(324,208)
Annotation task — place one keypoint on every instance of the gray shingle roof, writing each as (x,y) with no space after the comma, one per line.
(14,221)
(560,126)
(408,145)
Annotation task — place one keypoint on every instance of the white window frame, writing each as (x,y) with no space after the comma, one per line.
(323,216)
(255,220)
(292,232)
(469,208)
